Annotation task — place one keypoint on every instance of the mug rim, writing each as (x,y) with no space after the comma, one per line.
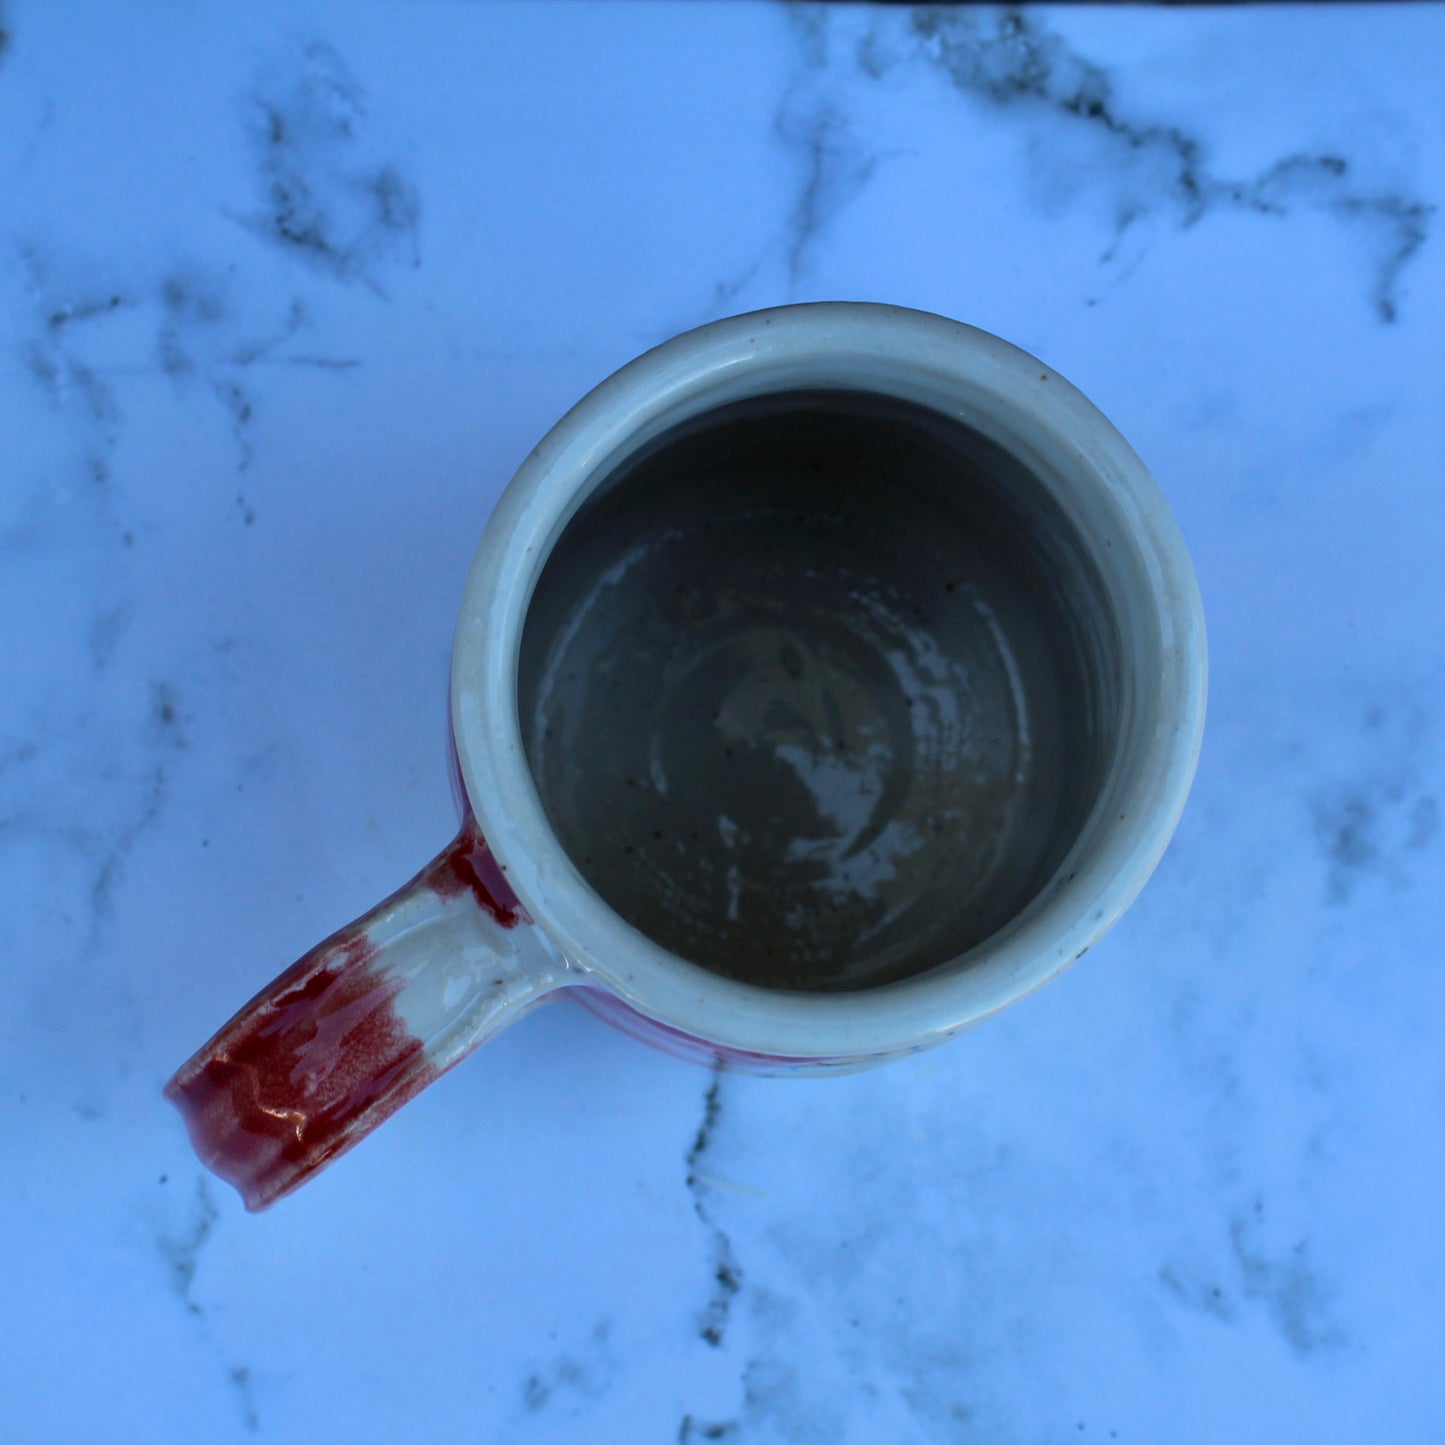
(734,357)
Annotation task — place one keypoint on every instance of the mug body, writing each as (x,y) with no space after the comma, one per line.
(826,680)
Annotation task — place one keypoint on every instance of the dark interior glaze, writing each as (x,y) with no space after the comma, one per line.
(818,689)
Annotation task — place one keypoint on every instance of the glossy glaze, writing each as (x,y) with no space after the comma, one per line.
(819,690)
(280,1090)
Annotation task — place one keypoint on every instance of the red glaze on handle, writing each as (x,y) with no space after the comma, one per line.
(272,1097)
(469,864)
(324,1054)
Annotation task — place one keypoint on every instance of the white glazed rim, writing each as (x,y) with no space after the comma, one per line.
(991,385)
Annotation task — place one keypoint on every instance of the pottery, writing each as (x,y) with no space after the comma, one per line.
(827,679)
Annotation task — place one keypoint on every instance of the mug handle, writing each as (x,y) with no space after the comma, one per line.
(364,1022)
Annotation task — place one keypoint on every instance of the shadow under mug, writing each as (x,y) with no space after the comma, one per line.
(826,680)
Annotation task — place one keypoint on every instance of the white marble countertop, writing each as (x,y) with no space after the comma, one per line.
(286,293)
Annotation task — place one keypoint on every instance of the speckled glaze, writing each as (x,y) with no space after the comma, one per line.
(1074,595)
(826,680)
(817,692)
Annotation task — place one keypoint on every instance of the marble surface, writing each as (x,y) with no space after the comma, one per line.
(286,293)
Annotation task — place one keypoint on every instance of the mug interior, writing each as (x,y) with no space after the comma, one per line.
(819,688)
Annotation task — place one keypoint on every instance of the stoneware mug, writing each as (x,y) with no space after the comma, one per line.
(827,679)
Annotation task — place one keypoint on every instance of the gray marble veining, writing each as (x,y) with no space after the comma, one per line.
(285,295)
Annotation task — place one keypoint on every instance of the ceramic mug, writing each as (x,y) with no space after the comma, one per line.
(827,679)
